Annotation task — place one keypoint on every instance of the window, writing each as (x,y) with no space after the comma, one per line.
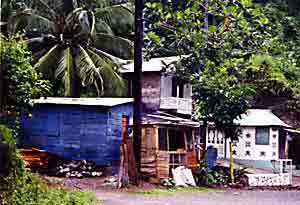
(176,139)
(174,88)
(171,139)
(181,88)
(162,139)
(189,139)
(177,88)
(262,136)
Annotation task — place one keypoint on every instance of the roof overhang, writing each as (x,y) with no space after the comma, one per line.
(163,118)
(106,102)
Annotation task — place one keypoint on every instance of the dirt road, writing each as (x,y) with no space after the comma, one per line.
(218,198)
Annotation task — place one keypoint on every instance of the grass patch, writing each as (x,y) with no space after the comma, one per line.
(174,191)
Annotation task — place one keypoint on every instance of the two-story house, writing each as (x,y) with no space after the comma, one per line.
(161,90)
(169,136)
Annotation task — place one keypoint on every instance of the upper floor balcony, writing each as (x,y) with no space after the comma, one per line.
(175,95)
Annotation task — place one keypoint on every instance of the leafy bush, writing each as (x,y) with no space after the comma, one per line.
(31,190)
(23,188)
(219,175)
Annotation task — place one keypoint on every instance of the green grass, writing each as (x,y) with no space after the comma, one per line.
(174,191)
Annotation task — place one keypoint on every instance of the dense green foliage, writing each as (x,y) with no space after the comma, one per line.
(76,44)
(22,188)
(21,81)
(249,51)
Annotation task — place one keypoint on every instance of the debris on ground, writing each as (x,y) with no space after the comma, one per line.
(78,169)
(111,182)
(183,176)
(43,162)
(35,158)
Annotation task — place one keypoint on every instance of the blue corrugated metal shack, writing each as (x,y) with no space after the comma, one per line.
(77,128)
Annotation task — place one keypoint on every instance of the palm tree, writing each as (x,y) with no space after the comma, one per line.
(74,44)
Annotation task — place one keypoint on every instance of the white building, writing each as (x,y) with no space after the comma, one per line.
(263,137)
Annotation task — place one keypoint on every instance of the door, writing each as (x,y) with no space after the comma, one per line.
(191,154)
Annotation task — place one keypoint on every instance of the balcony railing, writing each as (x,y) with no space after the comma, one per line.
(181,105)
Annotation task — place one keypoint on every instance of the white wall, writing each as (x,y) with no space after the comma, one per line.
(248,144)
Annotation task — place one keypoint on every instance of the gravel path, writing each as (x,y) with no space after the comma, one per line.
(219,198)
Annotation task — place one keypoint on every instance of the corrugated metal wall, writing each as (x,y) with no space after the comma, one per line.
(77,132)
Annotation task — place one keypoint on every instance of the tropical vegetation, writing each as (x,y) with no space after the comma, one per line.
(74,44)
(245,56)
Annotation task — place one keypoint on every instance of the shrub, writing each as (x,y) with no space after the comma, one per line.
(23,188)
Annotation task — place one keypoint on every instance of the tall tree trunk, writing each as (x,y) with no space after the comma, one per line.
(138,61)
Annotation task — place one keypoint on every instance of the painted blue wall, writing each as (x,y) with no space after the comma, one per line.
(76,131)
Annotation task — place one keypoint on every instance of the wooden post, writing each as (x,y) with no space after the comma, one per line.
(231,163)
(128,170)
(123,170)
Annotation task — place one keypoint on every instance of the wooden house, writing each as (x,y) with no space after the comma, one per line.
(167,142)
(169,136)
(161,90)
(77,128)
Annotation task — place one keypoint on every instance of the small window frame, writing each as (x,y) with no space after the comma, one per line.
(256,143)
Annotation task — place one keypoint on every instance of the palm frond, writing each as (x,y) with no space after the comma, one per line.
(44,7)
(93,26)
(103,27)
(103,14)
(114,45)
(117,61)
(119,17)
(112,81)
(15,19)
(46,63)
(88,71)
(65,71)
(72,15)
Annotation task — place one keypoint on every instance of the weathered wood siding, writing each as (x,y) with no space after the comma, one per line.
(155,163)
(76,132)
(148,151)
(151,87)
(151,90)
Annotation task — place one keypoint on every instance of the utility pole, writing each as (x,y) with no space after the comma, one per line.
(137,91)
(202,64)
